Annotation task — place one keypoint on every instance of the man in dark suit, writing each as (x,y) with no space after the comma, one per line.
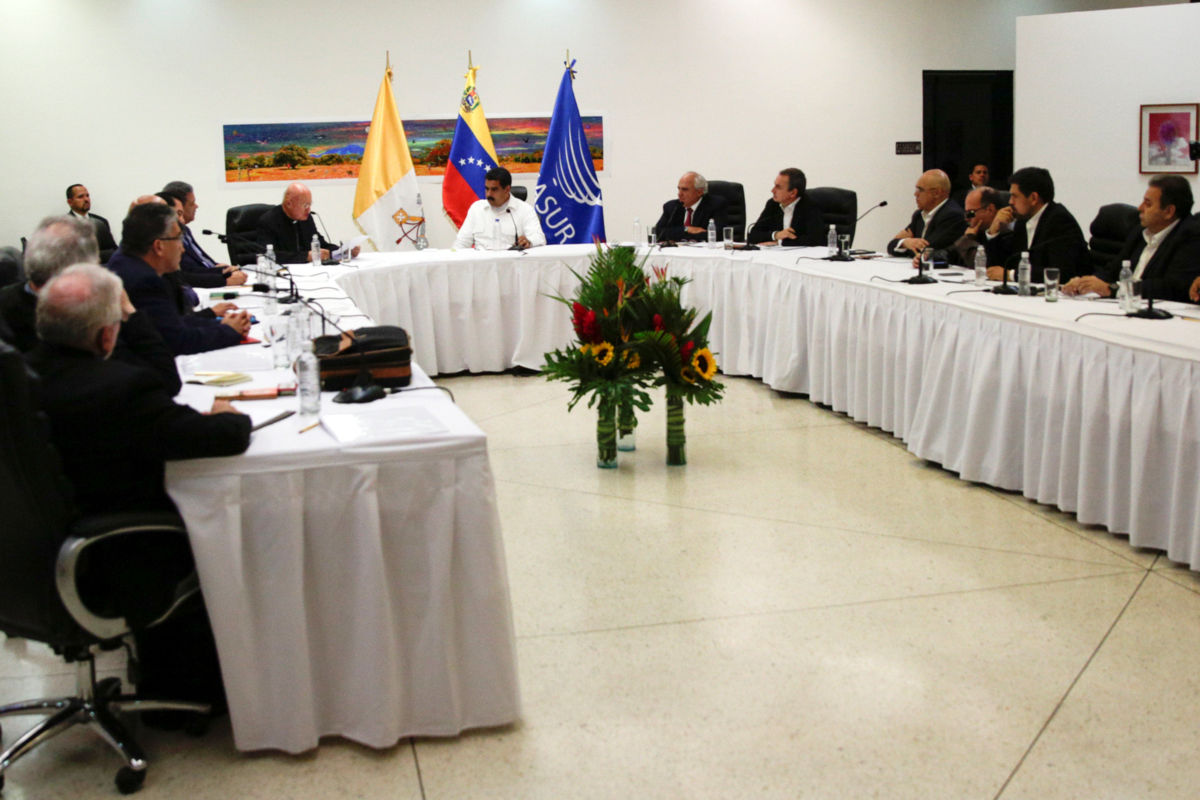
(937,222)
(1045,229)
(980,211)
(1164,253)
(115,427)
(196,267)
(289,227)
(114,424)
(151,246)
(789,218)
(686,218)
(57,243)
(80,202)
(978,179)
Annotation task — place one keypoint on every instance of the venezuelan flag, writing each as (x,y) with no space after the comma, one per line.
(472,154)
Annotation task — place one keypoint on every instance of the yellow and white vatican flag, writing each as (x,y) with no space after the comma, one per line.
(387,202)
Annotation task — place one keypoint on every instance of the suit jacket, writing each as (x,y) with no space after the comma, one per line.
(806,222)
(155,297)
(115,427)
(138,343)
(194,266)
(944,229)
(1171,270)
(1057,242)
(670,225)
(104,236)
(997,248)
(291,239)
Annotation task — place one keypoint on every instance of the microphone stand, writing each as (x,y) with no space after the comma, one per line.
(921,277)
(1004,288)
(1150,312)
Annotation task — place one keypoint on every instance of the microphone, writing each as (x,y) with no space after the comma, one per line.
(516,233)
(880,204)
(921,277)
(1150,312)
(220,236)
(249,242)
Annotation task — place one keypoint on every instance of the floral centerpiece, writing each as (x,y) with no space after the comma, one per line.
(668,336)
(603,364)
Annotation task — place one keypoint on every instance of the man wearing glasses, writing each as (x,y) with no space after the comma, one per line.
(151,247)
(983,228)
(937,222)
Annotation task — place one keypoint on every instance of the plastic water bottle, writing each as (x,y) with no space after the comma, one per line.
(271,267)
(1125,287)
(831,240)
(712,233)
(980,266)
(637,231)
(1024,272)
(308,376)
(298,328)
(314,251)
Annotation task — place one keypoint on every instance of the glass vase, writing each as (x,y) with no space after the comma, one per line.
(606,436)
(626,428)
(676,437)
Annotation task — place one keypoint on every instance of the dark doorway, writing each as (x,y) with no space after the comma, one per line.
(968,119)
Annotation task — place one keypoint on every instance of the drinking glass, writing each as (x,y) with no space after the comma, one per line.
(1050,284)
(727,235)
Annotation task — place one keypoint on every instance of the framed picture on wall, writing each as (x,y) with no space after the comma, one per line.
(1165,133)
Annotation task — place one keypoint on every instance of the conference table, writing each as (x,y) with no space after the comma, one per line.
(353,572)
(1098,415)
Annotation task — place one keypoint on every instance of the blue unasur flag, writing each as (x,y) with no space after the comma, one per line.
(568,198)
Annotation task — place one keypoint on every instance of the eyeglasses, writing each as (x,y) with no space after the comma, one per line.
(971,213)
(169,238)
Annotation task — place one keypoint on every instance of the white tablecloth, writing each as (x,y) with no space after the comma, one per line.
(1099,416)
(357,589)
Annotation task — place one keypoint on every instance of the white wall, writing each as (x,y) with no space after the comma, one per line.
(1080,80)
(124,95)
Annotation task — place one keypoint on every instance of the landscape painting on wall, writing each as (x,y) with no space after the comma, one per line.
(308,151)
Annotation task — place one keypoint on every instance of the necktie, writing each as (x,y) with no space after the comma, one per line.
(687,223)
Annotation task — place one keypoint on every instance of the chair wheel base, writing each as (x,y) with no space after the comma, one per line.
(130,780)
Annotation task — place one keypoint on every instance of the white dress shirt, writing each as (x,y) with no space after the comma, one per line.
(1152,243)
(487,228)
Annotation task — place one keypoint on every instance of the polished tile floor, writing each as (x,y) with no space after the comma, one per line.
(804,611)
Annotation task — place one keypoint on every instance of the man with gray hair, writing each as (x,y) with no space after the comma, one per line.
(57,243)
(114,424)
(686,218)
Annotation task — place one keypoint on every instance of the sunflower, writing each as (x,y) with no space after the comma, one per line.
(585,348)
(632,359)
(704,363)
(688,374)
(603,353)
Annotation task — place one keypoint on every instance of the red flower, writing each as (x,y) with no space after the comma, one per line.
(658,322)
(686,351)
(583,320)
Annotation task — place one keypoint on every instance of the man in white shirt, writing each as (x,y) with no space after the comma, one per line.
(937,222)
(500,221)
(1164,253)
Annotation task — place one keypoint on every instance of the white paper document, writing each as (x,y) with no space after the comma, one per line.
(387,423)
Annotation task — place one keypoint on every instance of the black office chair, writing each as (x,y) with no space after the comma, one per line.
(56,589)
(735,206)
(12,269)
(240,225)
(1111,227)
(838,207)
(520,192)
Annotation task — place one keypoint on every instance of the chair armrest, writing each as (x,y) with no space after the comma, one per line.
(96,532)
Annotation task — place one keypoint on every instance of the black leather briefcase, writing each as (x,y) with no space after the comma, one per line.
(382,351)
